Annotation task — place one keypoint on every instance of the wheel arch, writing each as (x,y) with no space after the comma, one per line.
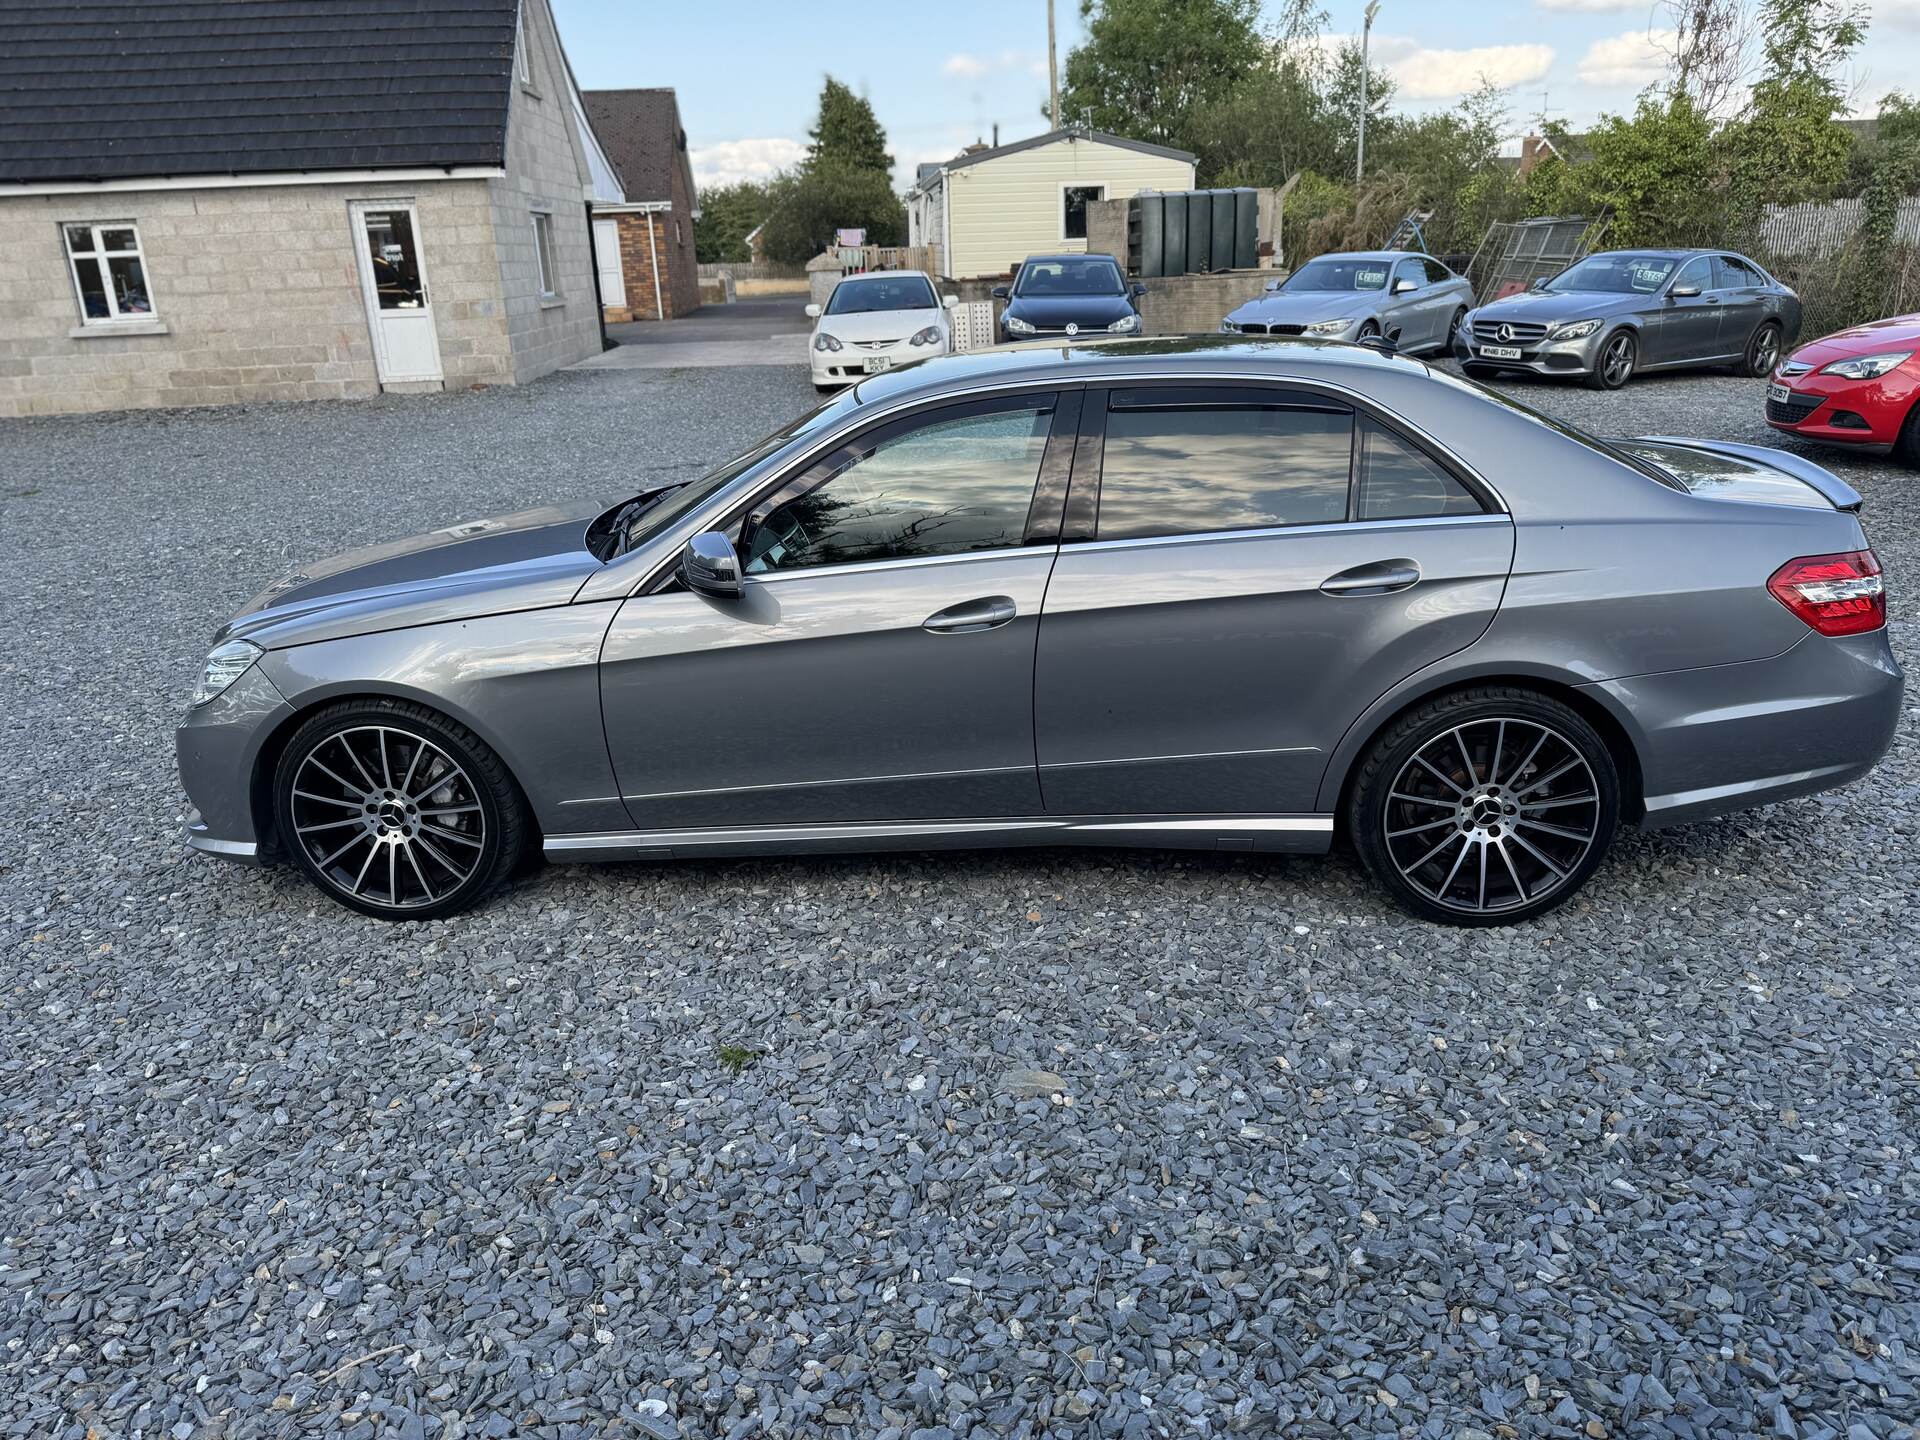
(1615,728)
(266,759)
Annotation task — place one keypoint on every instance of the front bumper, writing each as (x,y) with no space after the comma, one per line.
(848,366)
(217,748)
(1543,357)
(1863,414)
(1725,738)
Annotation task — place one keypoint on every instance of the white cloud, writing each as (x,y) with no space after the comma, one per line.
(1593,7)
(1634,59)
(732,160)
(975,67)
(1901,14)
(967,67)
(1439,74)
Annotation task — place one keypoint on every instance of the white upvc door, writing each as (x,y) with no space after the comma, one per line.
(393,280)
(606,252)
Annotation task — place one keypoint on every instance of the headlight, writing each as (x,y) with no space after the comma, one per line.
(1227,327)
(928,336)
(1125,325)
(1016,326)
(824,341)
(1867,367)
(1573,329)
(1326,327)
(225,665)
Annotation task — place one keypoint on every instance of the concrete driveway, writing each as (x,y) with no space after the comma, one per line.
(769,331)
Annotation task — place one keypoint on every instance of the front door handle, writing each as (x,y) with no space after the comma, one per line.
(987,613)
(1383,577)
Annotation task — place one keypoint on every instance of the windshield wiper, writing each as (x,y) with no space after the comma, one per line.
(621,526)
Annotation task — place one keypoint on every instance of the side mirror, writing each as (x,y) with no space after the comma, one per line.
(999,292)
(1684,292)
(1138,290)
(813,312)
(1404,287)
(1272,285)
(712,566)
(948,302)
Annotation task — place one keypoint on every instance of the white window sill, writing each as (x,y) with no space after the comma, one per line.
(552,302)
(108,328)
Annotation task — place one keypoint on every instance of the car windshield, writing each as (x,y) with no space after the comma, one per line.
(1616,274)
(887,292)
(1070,277)
(638,520)
(1338,275)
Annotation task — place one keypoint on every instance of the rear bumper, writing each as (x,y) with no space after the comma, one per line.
(1729,737)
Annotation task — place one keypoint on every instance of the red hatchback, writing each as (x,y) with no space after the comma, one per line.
(1856,387)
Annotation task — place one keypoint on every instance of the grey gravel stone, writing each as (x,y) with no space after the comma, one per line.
(274,1170)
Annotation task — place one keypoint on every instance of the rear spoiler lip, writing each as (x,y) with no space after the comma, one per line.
(1836,491)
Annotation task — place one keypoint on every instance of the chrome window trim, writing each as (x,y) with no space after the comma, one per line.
(653,560)
(858,567)
(1275,532)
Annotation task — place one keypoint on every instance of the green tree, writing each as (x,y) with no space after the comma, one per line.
(1274,124)
(809,204)
(727,214)
(1787,146)
(846,132)
(1657,171)
(1148,67)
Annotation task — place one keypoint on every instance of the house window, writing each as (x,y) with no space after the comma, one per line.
(543,253)
(1074,201)
(108,272)
(521,62)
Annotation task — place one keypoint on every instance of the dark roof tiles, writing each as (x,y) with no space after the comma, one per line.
(640,131)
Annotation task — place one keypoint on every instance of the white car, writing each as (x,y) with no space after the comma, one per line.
(876,321)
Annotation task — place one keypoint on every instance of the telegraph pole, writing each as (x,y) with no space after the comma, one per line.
(1366,36)
(1053,72)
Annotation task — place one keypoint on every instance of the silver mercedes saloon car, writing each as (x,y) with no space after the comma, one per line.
(1213,593)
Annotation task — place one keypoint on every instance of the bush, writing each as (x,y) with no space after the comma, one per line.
(811,203)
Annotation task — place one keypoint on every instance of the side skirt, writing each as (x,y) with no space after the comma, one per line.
(1281,834)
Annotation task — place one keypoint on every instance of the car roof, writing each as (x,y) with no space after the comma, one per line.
(1071,255)
(1372,255)
(883,275)
(1677,252)
(1090,361)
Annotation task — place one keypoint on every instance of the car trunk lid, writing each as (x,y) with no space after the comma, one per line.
(1755,474)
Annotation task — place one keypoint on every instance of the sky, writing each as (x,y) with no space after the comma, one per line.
(748,72)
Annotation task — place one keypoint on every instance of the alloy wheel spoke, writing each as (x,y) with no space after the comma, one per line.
(1391,834)
(1466,844)
(1421,761)
(1397,795)
(1551,776)
(328,800)
(1483,878)
(420,874)
(1558,873)
(326,770)
(330,825)
(406,780)
(1499,744)
(1562,831)
(1584,798)
(1473,776)
(386,769)
(358,763)
(365,865)
(1445,840)
(440,810)
(1521,768)
(393,874)
(459,873)
(1507,860)
(343,849)
(445,834)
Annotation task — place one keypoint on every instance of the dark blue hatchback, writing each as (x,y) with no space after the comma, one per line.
(1069,295)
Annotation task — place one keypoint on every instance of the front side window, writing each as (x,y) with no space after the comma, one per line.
(888,292)
(1190,471)
(109,273)
(1400,482)
(943,487)
(1074,200)
(1697,272)
(543,252)
(1412,272)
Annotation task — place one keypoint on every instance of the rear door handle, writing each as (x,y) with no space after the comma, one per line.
(1383,577)
(987,613)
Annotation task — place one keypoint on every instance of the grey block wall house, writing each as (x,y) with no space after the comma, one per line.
(210,201)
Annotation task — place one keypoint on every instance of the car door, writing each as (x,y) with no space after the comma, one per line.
(1257,566)
(1744,302)
(1446,293)
(1688,326)
(1408,319)
(879,663)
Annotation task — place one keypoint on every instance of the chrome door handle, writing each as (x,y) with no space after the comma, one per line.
(987,613)
(1382,578)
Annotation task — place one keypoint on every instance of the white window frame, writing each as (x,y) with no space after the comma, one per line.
(1065,186)
(522,62)
(544,258)
(98,256)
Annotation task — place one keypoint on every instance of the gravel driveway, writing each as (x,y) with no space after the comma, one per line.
(1045,1143)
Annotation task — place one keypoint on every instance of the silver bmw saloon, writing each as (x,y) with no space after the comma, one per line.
(1213,593)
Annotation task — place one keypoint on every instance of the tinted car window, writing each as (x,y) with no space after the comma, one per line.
(1697,271)
(1319,275)
(1399,482)
(1412,271)
(892,292)
(1070,277)
(1730,272)
(1190,471)
(1436,272)
(939,489)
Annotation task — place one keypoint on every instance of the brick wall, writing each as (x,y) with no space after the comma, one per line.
(256,294)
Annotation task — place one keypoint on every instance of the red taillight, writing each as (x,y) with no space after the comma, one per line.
(1835,594)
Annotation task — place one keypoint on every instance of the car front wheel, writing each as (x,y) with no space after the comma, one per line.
(396,811)
(1613,367)
(1485,807)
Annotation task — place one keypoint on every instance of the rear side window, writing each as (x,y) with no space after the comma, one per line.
(1437,274)
(1732,273)
(1399,482)
(1187,471)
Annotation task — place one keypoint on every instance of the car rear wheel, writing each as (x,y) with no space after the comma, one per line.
(397,812)
(1614,365)
(1485,807)
(1763,350)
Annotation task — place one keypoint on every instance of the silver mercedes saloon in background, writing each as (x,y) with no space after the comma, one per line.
(1214,593)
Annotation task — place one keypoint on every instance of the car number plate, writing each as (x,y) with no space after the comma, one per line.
(1500,352)
(1780,393)
(876,363)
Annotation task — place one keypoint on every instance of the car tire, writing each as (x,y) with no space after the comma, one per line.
(1369,330)
(351,803)
(1906,449)
(1763,351)
(1608,373)
(1451,345)
(1442,793)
